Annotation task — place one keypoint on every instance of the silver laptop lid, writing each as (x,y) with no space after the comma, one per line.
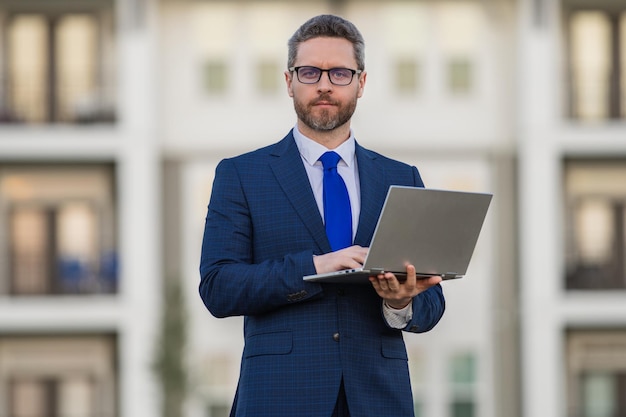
(435,230)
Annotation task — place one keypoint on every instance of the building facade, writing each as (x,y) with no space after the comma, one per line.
(114,115)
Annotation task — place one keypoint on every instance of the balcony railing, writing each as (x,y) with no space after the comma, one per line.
(69,102)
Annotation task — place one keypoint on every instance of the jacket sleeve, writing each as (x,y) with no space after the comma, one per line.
(428,308)
(231,284)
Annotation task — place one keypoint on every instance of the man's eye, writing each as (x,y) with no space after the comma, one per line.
(341,74)
(308,73)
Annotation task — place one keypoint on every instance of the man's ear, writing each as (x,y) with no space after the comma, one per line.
(289,81)
(362,79)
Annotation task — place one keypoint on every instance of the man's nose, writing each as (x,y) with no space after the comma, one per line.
(324,83)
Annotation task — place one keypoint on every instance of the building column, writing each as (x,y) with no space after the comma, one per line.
(139,203)
(541,279)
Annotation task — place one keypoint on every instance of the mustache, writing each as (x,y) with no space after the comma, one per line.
(324,98)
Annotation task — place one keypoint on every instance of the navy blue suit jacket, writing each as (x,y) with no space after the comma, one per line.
(262,229)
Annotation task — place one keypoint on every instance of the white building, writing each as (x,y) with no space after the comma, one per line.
(113,116)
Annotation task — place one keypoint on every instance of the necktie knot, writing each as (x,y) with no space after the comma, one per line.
(330,160)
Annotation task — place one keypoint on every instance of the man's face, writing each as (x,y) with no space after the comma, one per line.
(324,106)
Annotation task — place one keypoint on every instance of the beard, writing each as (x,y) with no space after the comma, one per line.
(326,119)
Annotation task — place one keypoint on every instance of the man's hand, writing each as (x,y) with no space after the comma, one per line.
(348,258)
(398,295)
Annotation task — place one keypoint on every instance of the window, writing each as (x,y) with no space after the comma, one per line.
(49,396)
(600,391)
(459,76)
(57,66)
(595,193)
(460,30)
(407,76)
(268,77)
(58,376)
(596,373)
(597,43)
(215,77)
(462,379)
(61,230)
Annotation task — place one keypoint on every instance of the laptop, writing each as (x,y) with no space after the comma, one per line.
(434,230)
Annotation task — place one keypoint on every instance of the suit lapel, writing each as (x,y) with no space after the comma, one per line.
(373,192)
(292,178)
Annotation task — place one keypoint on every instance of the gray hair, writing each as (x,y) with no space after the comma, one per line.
(331,26)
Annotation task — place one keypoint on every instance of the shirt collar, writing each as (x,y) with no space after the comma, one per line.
(311,151)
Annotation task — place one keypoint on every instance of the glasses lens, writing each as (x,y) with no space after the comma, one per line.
(340,76)
(309,74)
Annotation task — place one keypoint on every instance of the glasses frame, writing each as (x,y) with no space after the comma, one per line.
(322,71)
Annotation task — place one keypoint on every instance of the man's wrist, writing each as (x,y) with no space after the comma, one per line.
(396,307)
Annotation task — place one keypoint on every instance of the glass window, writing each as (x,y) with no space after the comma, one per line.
(30,240)
(459,28)
(590,34)
(599,394)
(30,397)
(462,409)
(76,46)
(407,76)
(596,369)
(51,396)
(268,76)
(595,224)
(45,377)
(61,236)
(215,77)
(27,68)
(462,369)
(460,76)
(58,67)
(597,42)
(462,379)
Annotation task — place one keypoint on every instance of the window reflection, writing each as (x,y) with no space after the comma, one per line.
(594,231)
(62,230)
(27,68)
(591,45)
(268,77)
(29,397)
(30,239)
(76,43)
(596,373)
(58,376)
(599,394)
(597,49)
(407,74)
(463,379)
(595,224)
(57,67)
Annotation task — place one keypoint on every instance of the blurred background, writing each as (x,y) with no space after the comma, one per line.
(114,114)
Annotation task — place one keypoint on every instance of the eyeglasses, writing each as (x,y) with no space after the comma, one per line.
(312,75)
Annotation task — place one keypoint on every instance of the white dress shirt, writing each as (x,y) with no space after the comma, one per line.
(311,151)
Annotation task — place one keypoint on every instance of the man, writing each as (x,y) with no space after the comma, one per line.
(313,349)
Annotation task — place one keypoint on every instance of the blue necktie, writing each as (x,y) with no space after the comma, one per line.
(337,212)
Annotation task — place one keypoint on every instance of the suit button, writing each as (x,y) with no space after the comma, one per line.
(336,337)
(341,292)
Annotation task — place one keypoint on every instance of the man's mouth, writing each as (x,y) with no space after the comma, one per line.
(324,103)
